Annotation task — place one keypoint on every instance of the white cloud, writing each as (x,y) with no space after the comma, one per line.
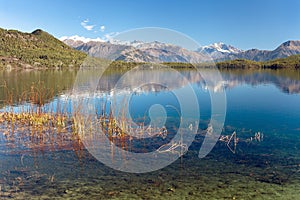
(102,28)
(81,38)
(63,38)
(85,25)
(110,36)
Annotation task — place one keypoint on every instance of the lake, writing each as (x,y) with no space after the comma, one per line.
(262,108)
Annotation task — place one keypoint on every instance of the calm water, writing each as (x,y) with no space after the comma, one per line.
(266,101)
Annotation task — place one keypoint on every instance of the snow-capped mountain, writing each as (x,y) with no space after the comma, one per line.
(220,47)
(218,50)
(136,51)
(139,51)
(288,48)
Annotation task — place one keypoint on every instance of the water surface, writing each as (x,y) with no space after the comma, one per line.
(265,101)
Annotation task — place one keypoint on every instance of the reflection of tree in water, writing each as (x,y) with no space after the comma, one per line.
(16,84)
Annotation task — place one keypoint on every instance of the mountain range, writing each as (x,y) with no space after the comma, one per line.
(40,49)
(138,51)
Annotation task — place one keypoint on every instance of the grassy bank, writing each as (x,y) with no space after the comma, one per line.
(36,50)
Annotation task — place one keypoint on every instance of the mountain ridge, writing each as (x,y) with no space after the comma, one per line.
(138,51)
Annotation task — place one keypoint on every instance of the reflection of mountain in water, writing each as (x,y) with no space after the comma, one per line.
(151,80)
(286,81)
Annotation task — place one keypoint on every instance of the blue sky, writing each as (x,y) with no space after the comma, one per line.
(246,24)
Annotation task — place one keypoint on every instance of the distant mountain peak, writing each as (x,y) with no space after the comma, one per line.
(220,47)
(218,50)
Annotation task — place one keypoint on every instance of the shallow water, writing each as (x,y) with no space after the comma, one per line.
(265,101)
